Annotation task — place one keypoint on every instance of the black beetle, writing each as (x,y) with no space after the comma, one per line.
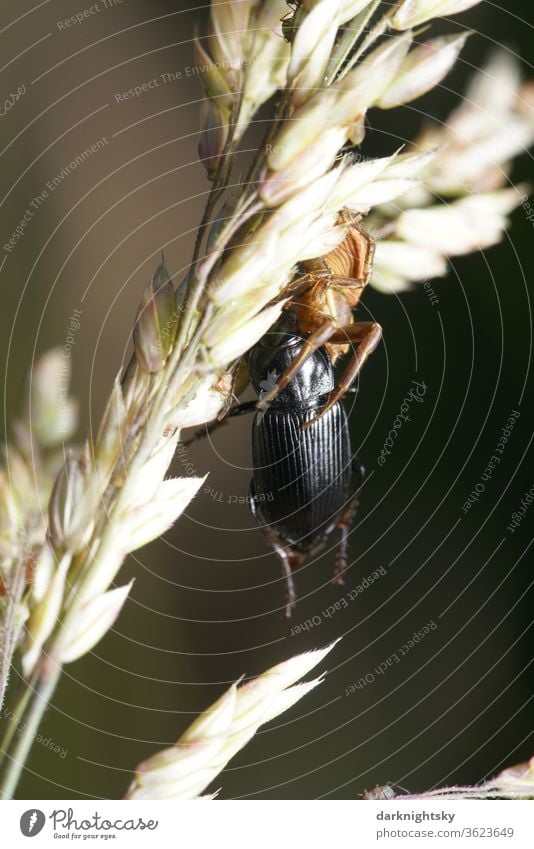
(305,480)
(302,487)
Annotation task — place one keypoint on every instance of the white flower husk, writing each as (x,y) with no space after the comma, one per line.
(185,770)
(413,13)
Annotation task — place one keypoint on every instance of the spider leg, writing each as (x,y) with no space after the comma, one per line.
(304,281)
(351,288)
(300,284)
(359,333)
(367,334)
(347,282)
(365,243)
(315,341)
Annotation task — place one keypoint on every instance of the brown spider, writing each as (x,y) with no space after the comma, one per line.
(325,295)
(320,310)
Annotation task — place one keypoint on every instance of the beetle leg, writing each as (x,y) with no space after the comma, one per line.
(241,409)
(345,524)
(367,334)
(315,341)
(289,559)
(238,410)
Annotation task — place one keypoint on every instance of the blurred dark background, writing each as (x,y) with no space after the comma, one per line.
(207,598)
